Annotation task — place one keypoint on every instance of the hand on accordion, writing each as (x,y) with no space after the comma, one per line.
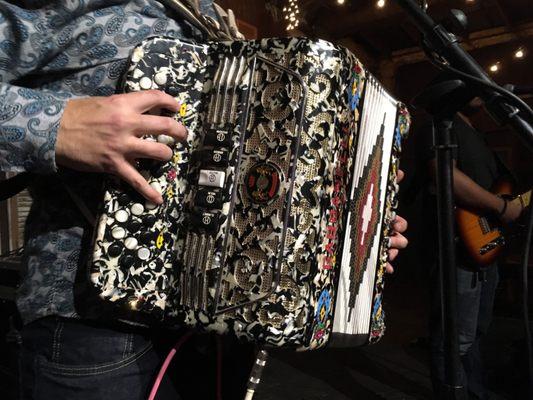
(104,134)
(397,240)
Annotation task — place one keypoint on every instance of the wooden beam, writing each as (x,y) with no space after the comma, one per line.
(343,22)
(503,13)
(476,40)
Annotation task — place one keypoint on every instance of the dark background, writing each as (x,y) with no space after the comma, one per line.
(387,43)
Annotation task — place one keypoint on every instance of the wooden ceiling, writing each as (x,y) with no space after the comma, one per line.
(388,43)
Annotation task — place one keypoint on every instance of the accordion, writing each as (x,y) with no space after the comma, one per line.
(277,208)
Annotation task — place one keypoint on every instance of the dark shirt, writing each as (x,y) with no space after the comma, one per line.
(472,154)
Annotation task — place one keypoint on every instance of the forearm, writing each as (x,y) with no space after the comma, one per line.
(469,194)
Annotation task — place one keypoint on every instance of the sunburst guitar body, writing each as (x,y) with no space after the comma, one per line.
(482,235)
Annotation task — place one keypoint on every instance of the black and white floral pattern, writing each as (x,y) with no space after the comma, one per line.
(267,271)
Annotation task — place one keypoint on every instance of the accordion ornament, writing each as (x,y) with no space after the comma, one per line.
(277,208)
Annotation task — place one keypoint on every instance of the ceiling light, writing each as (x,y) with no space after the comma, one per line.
(290,11)
(494,67)
(519,53)
(381,3)
(340,2)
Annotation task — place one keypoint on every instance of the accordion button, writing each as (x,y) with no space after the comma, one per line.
(118,232)
(165,139)
(205,221)
(137,209)
(160,78)
(143,253)
(131,243)
(127,261)
(211,178)
(145,83)
(147,237)
(114,250)
(220,158)
(134,226)
(218,138)
(149,220)
(212,158)
(122,216)
(123,199)
(208,198)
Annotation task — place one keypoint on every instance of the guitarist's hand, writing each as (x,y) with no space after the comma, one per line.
(512,212)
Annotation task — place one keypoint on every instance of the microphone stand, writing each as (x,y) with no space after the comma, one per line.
(444,44)
(438,100)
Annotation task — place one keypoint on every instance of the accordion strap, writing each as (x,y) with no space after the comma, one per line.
(223,29)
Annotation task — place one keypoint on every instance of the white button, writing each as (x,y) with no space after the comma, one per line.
(131,243)
(118,232)
(211,178)
(137,209)
(143,253)
(165,139)
(122,215)
(160,78)
(145,83)
(156,186)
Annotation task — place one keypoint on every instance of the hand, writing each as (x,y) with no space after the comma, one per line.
(512,212)
(397,240)
(104,134)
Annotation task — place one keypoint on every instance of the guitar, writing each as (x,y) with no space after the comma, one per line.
(482,235)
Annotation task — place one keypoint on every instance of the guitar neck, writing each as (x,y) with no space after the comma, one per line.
(524,199)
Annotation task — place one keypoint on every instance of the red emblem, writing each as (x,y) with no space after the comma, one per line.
(263,182)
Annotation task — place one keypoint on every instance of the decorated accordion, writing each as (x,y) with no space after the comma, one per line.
(277,208)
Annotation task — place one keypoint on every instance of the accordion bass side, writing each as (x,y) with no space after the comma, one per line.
(277,208)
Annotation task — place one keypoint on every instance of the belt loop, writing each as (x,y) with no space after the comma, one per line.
(56,342)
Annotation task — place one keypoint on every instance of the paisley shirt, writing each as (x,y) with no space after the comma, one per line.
(50,52)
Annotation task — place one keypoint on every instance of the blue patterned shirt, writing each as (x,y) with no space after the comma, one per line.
(50,52)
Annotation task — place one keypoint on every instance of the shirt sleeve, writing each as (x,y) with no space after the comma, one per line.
(29,119)
(206,6)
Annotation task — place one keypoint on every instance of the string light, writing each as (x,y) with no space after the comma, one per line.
(380,3)
(291,12)
(519,53)
(494,67)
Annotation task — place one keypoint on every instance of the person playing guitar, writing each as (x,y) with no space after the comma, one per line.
(476,170)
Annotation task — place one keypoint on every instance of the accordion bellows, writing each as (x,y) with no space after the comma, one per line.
(277,208)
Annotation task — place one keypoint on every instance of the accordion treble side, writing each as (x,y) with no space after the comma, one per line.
(277,207)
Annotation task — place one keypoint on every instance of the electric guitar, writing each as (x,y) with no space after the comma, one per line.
(482,235)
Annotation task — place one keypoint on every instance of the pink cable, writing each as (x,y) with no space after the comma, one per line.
(165,365)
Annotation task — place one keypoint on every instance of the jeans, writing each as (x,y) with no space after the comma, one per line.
(475,300)
(78,360)
(66,359)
